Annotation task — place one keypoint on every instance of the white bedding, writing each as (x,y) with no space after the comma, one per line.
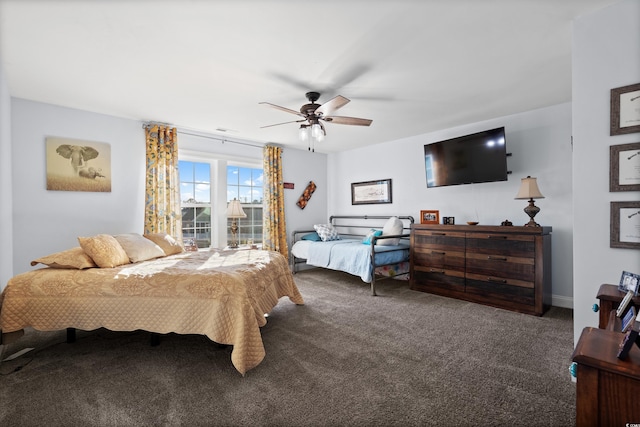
(348,255)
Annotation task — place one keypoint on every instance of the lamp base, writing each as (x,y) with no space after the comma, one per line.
(234,234)
(532,211)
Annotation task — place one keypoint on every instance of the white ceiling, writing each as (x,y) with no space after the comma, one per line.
(411,66)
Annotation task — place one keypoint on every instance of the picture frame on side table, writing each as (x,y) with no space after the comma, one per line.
(629,282)
(371,192)
(625,225)
(624,167)
(625,110)
(429,217)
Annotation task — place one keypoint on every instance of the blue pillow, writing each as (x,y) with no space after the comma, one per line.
(370,234)
(314,237)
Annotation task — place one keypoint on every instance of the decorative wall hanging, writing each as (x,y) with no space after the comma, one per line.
(306,195)
(76,165)
(625,109)
(371,192)
(625,225)
(624,168)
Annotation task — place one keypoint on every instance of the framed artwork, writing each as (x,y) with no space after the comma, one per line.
(625,225)
(371,192)
(77,165)
(625,109)
(429,217)
(624,168)
(629,282)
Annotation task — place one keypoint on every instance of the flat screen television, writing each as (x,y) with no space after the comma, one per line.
(469,159)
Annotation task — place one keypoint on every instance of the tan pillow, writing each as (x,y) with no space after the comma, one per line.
(104,250)
(138,248)
(169,245)
(71,258)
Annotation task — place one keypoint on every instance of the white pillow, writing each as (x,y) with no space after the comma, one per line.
(326,232)
(138,248)
(392,227)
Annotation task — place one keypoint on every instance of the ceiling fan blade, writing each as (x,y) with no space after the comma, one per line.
(341,120)
(286,110)
(332,105)
(285,123)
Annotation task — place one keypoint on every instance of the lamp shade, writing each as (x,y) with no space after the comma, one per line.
(529,189)
(234,210)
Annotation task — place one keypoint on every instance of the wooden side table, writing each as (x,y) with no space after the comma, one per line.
(610,298)
(607,392)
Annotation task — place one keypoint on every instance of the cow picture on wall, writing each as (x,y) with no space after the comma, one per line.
(77,165)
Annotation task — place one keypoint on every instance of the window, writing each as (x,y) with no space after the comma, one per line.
(245,184)
(197,190)
(195,197)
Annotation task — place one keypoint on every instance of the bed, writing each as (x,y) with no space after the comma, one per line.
(366,246)
(221,294)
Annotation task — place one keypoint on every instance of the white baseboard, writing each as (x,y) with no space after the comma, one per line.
(560,301)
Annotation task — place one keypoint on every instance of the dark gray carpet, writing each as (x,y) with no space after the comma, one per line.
(345,358)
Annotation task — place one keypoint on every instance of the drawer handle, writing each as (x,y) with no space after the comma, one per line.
(497,258)
(438,234)
(437,253)
(496,237)
(494,280)
(433,270)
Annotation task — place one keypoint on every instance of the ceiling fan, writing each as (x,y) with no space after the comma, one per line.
(315,114)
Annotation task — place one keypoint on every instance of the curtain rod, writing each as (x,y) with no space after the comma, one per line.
(200,134)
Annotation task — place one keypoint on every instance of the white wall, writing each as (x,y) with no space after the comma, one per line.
(6,214)
(44,221)
(49,221)
(606,55)
(540,143)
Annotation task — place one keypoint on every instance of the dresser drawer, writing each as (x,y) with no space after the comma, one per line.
(439,258)
(491,289)
(517,268)
(439,240)
(501,244)
(424,278)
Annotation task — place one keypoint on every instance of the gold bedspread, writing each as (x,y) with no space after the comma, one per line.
(221,294)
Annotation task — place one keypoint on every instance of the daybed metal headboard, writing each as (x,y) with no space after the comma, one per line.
(351,229)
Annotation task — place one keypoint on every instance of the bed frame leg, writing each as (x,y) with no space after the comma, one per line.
(155,339)
(71,335)
(373,287)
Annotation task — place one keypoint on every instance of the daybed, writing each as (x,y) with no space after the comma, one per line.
(365,246)
(221,294)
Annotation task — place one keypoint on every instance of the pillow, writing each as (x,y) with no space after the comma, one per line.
(392,227)
(104,250)
(313,237)
(370,234)
(138,248)
(71,258)
(168,244)
(326,232)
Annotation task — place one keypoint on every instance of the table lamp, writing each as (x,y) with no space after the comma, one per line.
(529,190)
(234,211)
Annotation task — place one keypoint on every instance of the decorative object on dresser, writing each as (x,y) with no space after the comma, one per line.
(529,190)
(429,217)
(629,282)
(505,267)
(234,212)
(610,298)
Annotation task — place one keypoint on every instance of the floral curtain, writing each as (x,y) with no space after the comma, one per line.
(162,212)
(274,234)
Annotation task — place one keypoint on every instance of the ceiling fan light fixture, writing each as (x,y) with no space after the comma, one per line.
(316,132)
(303,133)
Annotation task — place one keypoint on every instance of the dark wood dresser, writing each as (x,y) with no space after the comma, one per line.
(502,266)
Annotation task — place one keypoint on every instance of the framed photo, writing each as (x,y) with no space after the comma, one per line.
(429,217)
(624,168)
(625,109)
(78,165)
(629,282)
(625,225)
(629,319)
(371,192)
